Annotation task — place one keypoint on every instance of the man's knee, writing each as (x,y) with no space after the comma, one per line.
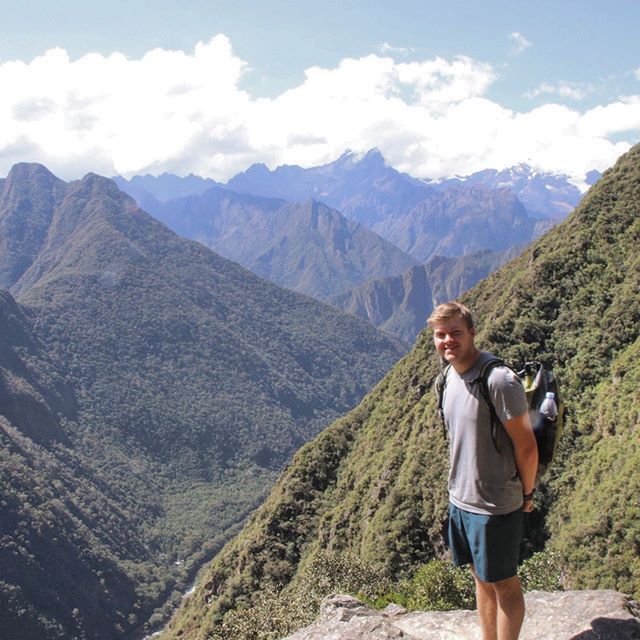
(483,587)
(508,591)
(508,584)
(507,587)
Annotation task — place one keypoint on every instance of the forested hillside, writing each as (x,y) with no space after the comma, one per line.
(65,532)
(151,391)
(400,304)
(374,483)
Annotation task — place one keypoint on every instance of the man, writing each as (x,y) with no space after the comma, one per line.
(491,482)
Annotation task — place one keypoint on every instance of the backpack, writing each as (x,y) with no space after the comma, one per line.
(538,381)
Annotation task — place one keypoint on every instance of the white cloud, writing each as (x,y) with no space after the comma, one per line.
(571,90)
(438,81)
(520,43)
(139,113)
(385,47)
(185,112)
(611,119)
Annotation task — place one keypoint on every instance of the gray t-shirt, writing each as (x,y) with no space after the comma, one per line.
(482,479)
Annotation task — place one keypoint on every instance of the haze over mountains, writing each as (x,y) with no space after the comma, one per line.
(373,484)
(166,186)
(151,390)
(461,220)
(361,186)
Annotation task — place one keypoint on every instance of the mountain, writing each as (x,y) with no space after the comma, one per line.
(157,388)
(32,395)
(487,210)
(592,177)
(307,247)
(461,220)
(361,186)
(544,194)
(373,484)
(151,191)
(166,186)
(364,188)
(63,529)
(455,219)
(401,304)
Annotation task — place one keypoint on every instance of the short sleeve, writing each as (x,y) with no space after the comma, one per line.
(507,394)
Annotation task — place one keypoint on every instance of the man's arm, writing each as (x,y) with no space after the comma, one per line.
(526,451)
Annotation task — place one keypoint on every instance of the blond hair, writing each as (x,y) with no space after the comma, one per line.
(448,310)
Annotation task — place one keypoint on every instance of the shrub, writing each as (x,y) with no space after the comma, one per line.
(275,612)
(436,586)
(541,572)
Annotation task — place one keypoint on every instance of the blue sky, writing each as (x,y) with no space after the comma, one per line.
(560,80)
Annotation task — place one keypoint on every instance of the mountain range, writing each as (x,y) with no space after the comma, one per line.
(365,188)
(164,187)
(307,247)
(151,392)
(361,186)
(373,484)
(461,220)
(272,222)
(544,195)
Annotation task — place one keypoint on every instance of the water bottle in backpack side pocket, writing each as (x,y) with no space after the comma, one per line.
(544,427)
(549,408)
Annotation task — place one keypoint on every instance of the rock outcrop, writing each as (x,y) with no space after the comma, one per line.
(564,615)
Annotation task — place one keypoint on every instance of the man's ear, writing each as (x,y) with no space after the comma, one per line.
(472,331)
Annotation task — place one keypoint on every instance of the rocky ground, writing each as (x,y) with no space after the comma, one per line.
(564,615)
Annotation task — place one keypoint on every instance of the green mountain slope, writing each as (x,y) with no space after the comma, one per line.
(192,382)
(401,304)
(374,483)
(63,530)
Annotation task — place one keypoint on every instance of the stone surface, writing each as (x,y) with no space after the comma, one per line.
(563,615)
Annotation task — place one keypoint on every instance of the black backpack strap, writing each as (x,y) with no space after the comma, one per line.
(483,382)
(441,383)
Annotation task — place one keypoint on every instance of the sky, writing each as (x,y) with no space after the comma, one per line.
(210,88)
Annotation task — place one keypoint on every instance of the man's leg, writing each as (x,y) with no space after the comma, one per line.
(501,608)
(491,544)
(510,608)
(487,608)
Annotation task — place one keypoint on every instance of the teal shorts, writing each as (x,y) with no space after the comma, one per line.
(490,543)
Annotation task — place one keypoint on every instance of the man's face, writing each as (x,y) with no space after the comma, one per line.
(454,342)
